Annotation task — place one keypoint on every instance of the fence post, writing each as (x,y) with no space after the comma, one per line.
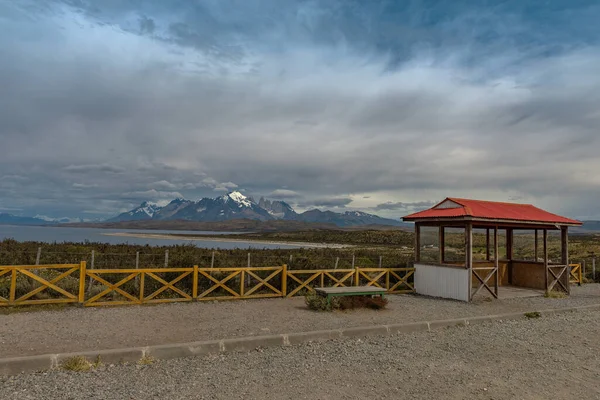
(166,258)
(212,260)
(91,279)
(242,280)
(13,286)
(337,260)
(248,275)
(356,276)
(38,256)
(380,263)
(195,284)
(137,266)
(284,281)
(352,260)
(82,282)
(291,259)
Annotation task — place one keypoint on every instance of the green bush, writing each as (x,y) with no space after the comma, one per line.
(319,303)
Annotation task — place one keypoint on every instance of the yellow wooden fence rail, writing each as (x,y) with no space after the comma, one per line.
(26,284)
(576,274)
(23,280)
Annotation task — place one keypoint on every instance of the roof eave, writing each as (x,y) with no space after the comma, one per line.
(487,220)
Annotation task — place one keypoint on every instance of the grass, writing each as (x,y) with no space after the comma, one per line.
(146,360)
(555,294)
(77,364)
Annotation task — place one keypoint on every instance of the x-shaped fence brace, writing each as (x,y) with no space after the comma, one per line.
(575,273)
(314,275)
(166,285)
(221,283)
(45,284)
(401,280)
(110,287)
(3,272)
(556,279)
(264,282)
(483,282)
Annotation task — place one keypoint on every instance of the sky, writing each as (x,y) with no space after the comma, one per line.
(382,106)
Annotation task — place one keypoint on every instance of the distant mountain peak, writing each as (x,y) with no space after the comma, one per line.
(239,198)
(235,205)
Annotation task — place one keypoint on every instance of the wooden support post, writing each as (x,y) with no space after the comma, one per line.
(82,282)
(509,244)
(337,260)
(195,284)
(166,258)
(212,260)
(38,256)
(284,281)
(487,244)
(546,258)
(380,261)
(353,260)
(469,256)
(509,254)
(535,246)
(496,261)
(442,240)
(291,259)
(89,290)
(564,239)
(417,242)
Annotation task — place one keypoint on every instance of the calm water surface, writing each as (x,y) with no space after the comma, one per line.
(50,234)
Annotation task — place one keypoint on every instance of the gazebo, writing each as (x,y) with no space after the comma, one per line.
(462,279)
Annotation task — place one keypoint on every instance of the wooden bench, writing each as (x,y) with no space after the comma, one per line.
(330,292)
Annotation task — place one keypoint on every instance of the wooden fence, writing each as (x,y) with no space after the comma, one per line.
(74,283)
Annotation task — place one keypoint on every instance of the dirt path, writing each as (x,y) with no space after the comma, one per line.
(553,357)
(77,329)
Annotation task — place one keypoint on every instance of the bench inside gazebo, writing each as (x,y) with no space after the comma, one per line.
(441,275)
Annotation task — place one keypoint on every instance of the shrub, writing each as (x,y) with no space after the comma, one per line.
(316,302)
(319,303)
(77,364)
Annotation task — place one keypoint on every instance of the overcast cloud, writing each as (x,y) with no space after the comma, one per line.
(373,105)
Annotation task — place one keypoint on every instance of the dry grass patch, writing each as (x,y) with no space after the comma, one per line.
(76,364)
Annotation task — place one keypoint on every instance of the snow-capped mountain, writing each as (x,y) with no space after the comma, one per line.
(235,205)
(146,210)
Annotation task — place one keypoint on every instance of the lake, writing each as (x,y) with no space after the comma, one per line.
(49,234)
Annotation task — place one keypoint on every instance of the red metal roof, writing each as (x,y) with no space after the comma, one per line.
(479,209)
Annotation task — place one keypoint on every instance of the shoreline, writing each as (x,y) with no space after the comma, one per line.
(218,239)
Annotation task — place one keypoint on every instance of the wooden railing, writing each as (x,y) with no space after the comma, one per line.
(74,283)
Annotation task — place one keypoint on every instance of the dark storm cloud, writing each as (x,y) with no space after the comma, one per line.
(106,104)
(419,205)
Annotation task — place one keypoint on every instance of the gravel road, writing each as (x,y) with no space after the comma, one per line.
(77,329)
(552,357)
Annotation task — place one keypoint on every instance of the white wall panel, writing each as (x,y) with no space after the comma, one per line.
(446,282)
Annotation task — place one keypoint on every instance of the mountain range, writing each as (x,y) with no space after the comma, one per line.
(235,205)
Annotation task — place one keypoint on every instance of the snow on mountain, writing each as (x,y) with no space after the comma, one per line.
(235,205)
(239,198)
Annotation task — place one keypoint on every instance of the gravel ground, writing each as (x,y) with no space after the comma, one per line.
(553,357)
(77,329)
